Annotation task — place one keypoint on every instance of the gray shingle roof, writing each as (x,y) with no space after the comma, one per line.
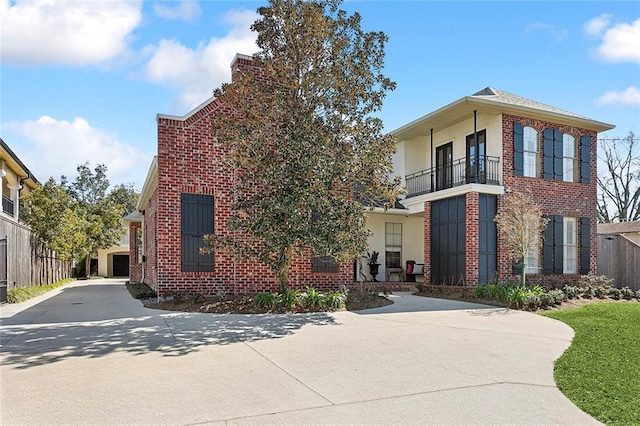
(497,95)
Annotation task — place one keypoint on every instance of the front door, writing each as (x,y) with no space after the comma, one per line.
(444,166)
(476,161)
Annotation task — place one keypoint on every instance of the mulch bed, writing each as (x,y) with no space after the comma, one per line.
(244,305)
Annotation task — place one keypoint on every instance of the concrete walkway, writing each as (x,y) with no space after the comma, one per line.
(90,354)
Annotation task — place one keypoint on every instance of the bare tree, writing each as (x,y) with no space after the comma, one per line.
(619,183)
(520,225)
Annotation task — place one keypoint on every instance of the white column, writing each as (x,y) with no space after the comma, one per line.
(15,197)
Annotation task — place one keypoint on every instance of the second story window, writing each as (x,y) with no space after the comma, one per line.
(568,158)
(530,152)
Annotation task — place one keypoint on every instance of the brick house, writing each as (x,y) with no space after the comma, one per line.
(445,222)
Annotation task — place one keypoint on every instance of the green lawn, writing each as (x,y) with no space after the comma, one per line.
(600,372)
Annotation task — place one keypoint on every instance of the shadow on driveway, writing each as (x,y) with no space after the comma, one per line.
(50,331)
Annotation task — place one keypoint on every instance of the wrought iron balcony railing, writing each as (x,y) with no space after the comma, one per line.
(7,205)
(457,173)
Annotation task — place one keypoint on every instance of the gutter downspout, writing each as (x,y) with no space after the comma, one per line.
(477,147)
(431,152)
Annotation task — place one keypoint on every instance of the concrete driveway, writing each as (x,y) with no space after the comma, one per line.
(90,354)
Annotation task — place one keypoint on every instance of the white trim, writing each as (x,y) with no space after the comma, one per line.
(187,115)
(150,185)
(416,204)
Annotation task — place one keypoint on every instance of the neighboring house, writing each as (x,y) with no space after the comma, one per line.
(619,253)
(24,261)
(457,163)
(16,181)
(114,261)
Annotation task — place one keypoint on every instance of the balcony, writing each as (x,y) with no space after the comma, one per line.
(457,173)
(7,205)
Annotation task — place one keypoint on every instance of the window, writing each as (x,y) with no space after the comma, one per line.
(570,251)
(532,260)
(323,264)
(393,245)
(568,158)
(530,152)
(138,243)
(197,221)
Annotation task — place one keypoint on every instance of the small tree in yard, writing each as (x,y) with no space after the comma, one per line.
(302,138)
(520,226)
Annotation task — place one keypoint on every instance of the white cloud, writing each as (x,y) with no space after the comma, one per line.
(66,32)
(557,34)
(628,97)
(596,26)
(56,147)
(195,72)
(185,10)
(621,43)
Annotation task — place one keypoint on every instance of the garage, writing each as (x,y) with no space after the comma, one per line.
(120,265)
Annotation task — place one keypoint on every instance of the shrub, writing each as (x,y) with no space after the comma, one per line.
(480,291)
(556,296)
(531,301)
(498,291)
(312,298)
(515,295)
(546,300)
(626,293)
(615,293)
(289,299)
(265,300)
(592,280)
(537,290)
(571,292)
(600,291)
(335,299)
(140,291)
(588,292)
(421,287)
(22,294)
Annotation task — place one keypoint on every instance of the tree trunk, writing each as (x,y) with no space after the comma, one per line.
(523,273)
(282,271)
(87,266)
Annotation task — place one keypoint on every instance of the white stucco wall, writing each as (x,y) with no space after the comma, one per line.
(105,259)
(417,151)
(412,238)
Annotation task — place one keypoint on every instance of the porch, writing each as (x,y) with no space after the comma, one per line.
(456,173)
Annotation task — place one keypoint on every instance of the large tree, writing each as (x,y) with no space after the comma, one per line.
(49,211)
(619,182)
(304,145)
(101,211)
(520,225)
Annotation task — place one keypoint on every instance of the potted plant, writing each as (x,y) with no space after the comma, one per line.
(372,260)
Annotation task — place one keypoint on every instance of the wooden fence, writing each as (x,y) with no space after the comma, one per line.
(619,258)
(26,261)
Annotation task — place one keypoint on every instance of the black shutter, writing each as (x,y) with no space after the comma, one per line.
(558,167)
(197,220)
(547,247)
(547,148)
(518,149)
(585,245)
(585,159)
(558,244)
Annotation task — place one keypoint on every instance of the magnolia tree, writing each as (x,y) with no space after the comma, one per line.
(520,226)
(305,148)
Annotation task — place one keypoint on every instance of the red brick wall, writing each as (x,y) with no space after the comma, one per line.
(554,197)
(472,244)
(190,161)
(135,268)
(427,242)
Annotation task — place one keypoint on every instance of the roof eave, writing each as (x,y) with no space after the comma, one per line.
(150,185)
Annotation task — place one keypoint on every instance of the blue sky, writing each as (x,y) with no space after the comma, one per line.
(84,80)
